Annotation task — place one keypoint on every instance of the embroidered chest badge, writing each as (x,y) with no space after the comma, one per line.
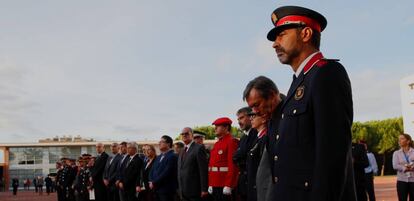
(300,91)
(220,152)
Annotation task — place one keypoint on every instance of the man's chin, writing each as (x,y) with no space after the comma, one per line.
(283,60)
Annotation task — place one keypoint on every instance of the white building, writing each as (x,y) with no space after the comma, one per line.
(407,103)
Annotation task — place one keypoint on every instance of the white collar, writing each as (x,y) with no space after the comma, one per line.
(247,132)
(303,64)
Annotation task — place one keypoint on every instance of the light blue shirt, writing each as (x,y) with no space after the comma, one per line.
(373,167)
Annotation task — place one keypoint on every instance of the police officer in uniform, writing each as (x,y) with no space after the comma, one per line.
(312,157)
(66,181)
(82,183)
(222,175)
(199,137)
(246,143)
(59,168)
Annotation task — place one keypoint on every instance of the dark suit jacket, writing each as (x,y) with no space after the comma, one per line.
(312,153)
(164,173)
(240,157)
(111,168)
(360,158)
(98,168)
(254,156)
(145,173)
(132,172)
(193,171)
(121,167)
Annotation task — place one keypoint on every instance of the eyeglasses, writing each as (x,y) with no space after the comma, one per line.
(187,133)
(252,115)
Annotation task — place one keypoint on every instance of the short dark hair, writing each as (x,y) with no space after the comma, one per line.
(179,144)
(245,110)
(123,143)
(168,140)
(315,39)
(263,85)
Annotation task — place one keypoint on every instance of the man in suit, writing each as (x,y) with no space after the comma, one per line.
(192,169)
(360,162)
(110,173)
(163,176)
(120,169)
(97,173)
(131,182)
(312,157)
(263,96)
(246,143)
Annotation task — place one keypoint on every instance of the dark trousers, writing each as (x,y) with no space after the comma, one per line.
(219,196)
(48,189)
(187,198)
(405,189)
(59,192)
(14,190)
(82,196)
(370,186)
(360,191)
(146,195)
(100,191)
(68,193)
(131,194)
(164,196)
(113,193)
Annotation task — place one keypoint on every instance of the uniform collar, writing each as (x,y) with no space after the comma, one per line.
(305,63)
(225,136)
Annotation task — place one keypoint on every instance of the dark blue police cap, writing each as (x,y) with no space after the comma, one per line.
(295,16)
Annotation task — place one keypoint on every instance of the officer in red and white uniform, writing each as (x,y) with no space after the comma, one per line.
(222,174)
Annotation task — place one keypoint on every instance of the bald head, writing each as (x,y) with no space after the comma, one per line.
(187,135)
(100,148)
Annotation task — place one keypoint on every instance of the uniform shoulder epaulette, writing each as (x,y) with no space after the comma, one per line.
(322,62)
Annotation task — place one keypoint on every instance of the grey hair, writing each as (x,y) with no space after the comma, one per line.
(132,144)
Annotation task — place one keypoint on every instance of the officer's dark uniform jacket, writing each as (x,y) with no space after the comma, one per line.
(66,182)
(59,188)
(240,157)
(254,156)
(82,180)
(310,153)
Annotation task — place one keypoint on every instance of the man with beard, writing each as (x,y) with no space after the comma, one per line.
(312,158)
(246,143)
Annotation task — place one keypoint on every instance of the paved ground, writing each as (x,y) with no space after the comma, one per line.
(385,190)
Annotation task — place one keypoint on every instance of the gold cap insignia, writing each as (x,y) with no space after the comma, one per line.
(274,18)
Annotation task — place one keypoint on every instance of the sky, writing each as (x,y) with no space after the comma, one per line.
(137,70)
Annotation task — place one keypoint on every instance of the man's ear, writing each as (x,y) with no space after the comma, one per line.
(306,34)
